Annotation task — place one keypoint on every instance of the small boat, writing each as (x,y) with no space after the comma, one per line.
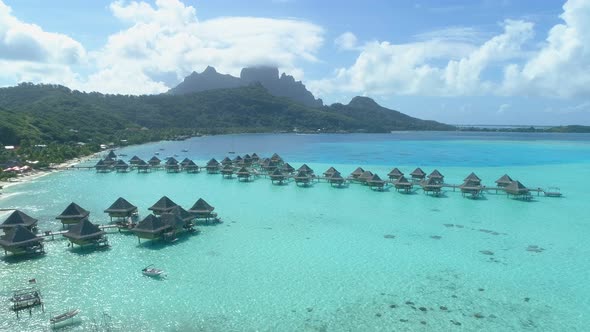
(157,153)
(152,271)
(64,316)
(184,150)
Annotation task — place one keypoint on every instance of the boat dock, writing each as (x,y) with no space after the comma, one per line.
(50,235)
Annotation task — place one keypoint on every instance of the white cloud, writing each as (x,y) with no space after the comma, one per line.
(27,52)
(503,108)
(346,41)
(169,40)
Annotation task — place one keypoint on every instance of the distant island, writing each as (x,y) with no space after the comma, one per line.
(52,123)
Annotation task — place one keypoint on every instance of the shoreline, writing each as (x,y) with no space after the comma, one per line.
(37,174)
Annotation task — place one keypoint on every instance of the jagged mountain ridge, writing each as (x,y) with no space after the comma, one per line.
(280,86)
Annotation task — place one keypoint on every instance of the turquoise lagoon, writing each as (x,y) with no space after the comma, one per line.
(317,259)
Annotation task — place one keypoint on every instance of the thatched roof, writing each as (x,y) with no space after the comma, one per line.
(190,164)
(330,171)
(276,157)
(154,160)
(172,220)
(472,177)
(226,161)
(288,168)
(431,183)
(181,212)
(17,218)
(237,159)
(164,204)
(84,230)
(375,179)
(100,164)
(212,163)
(418,173)
(73,211)
(19,236)
(516,188)
(436,175)
(395,173)
(141,163)
(305,168)
(357,172)
(471,184)
(243,171)
(201,206)
(277,174)
(112,155)
(185,161)
(504,180)
(151,224)
(302,175)
(247,157)
(134,159)
(255,157)
(171,161)
(229,168)
(121,205)
(336,177)
(121,164)
(402,181)
(365,176)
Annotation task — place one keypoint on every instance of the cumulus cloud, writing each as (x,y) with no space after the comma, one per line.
(451,62)
(346,41)
(167,40)
(29,52)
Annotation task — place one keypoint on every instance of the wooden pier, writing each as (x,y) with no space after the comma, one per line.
(51,234)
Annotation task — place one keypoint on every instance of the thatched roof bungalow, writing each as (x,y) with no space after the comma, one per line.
(418,174)
(363,178)
(336,179)
(202,210)
(395,174)
(121,166)
(432,186)
(212,166)
(102,167)
(329,172)
(287,168)
(518,190)
(247,159)
(86,233)
(121,208)
(255,158)
(151,227)
(20,240)
(172,165)
(191,167)
(184,162)
(143,167)
(472,177)
(134,160)
(306,169)
(163,205)
(228,171)
(504,181)
(375,182)
(436,176)
(302,178)
(402,184)
(154,161)
(109,161)
(19,218)
(276,158)
(72,214)
(111,155)
(357,173)
(471,188)
(226,161)
(278,177)
(244,174)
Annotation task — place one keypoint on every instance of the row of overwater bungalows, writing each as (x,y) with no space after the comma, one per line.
(166,222)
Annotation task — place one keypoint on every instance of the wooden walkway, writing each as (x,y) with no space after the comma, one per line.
(51,234)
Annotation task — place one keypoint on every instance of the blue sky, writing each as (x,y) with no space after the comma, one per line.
(462,62)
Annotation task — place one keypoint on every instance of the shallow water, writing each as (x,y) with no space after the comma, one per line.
(327,259)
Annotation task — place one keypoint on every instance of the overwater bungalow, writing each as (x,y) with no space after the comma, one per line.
(504,181)
(518,191)
(336,180)
(73,214)
(357,173)
(472,177)
(255,158)
(111,155)
(184,162)
(244,174)
(191,167)
(375,182)
(182,213)
(306,169)
(202,210)
(19,218)
(436,177)
(121,166)
(302,178)
(278,177)
(287,168)
(154,161)
(237,160)
(402,184)
(431,186)
(472,187)
(143,167)
(228,171)
(108,161)
(163,205)
(212,166)
(121,210)
(102,167)
(134,160)
(19,240)
(329,172)
(176,223)
(247,159)
(395,174)
(276,158)
(363,178)
(418,174)
(86,233)
(226,161)
(172,165)
(151,228)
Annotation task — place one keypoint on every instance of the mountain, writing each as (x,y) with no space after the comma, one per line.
(52,113)
(281,86)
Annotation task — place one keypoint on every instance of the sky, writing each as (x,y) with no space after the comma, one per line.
(500,62)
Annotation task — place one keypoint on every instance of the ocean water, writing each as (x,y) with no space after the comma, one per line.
(288,258)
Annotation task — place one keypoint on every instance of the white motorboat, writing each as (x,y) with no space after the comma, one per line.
(152,271)
(64,316)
